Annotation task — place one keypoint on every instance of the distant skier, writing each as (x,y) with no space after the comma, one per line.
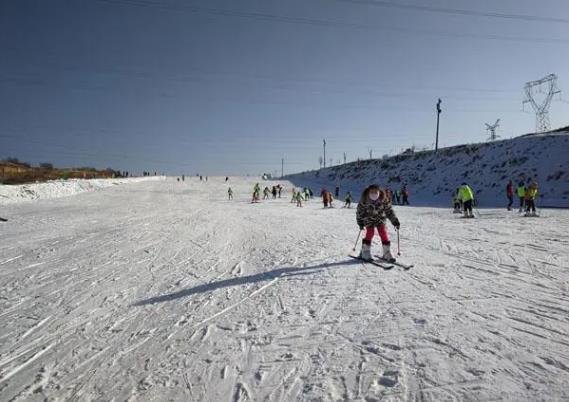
(397,195)
(405,195)
(389,195)
(521,193)
(183,178)
(456,201)
(310,192)
(337,192)
(373,209)
(256,193)
(266,193)
(326,198)
(306,194)
(299,199)
(510,194)
(201,178)
(466,195)
(348,200)
(279,190)
(293,198)
(530,195)
(274,192)
(226,179)
(230,193)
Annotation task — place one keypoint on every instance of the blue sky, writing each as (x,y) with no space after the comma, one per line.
(226,87)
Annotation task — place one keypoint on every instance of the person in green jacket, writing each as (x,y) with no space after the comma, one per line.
(348,200)
(299,199)
(521,193)
(466,195)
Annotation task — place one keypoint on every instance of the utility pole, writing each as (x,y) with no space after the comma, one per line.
(438,116)
(282,168)
(324,141)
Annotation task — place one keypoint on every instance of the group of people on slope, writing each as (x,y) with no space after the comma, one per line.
(276,191)
(301,195)
(526,193)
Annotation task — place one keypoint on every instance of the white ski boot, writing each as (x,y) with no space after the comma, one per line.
(387,256)
(365,254)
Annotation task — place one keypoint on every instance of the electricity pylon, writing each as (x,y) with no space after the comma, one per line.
(547,86)
(492,130)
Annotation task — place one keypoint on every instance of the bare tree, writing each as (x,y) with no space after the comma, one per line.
(370,153)
(320,161)
(345,157)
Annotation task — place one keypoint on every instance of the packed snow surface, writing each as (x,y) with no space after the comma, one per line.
(165,290)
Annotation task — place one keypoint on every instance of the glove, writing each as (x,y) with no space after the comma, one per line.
(361,227)
(396,223)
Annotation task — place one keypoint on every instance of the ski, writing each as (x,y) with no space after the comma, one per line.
(404,266)
(3,220)
(373,262)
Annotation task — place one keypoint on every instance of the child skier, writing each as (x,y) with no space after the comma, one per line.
(373,210)
(293,199)
(348,200)
(456,202)
(466,195)
(299,199)
(256,193)
(530,195)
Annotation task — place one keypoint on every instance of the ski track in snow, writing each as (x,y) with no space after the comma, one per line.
(167,291)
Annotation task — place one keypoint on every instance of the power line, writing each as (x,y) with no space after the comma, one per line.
(456,11)
(191,71)
(321,22)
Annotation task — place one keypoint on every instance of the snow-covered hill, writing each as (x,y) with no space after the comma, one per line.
(487,167)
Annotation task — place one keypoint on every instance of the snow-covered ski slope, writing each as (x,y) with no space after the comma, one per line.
(60,188)
(161,291)
(487,167)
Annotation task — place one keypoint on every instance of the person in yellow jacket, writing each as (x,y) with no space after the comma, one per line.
(530,194)
(521,193)
(466,195)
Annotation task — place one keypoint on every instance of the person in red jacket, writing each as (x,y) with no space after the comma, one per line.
(510,194)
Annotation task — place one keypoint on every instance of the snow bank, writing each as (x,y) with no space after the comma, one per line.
(60,188)
(487,167)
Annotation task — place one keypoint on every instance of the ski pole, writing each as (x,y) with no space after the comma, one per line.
(398,244)
(357,239)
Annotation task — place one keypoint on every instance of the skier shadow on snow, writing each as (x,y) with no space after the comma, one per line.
(242,280)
